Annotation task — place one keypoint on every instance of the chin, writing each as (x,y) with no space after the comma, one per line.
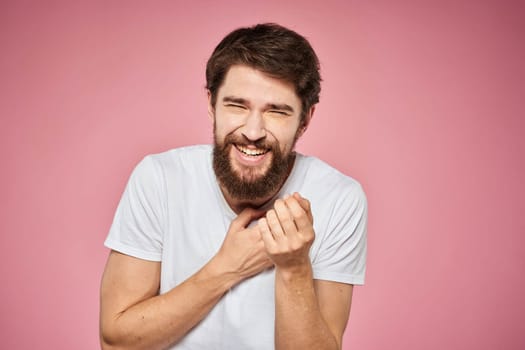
(250,175)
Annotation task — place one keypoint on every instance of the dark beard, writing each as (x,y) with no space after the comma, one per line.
(250,187)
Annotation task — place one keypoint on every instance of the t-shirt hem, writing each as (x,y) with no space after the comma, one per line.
(132,251)
(339,277)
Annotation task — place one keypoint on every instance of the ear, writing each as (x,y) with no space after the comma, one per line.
(304,124)
(211,108)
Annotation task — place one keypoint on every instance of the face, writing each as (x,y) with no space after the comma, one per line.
(256,124)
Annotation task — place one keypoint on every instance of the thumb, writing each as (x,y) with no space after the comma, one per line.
(245,217)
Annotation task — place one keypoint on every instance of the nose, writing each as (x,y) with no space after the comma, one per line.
(254,128)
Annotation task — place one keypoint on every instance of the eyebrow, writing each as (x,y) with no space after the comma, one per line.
(233,99)
(242,101)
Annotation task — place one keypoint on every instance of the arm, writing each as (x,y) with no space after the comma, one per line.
(309,314)
(134,316)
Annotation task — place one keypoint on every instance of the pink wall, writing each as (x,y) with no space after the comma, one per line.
(422,103)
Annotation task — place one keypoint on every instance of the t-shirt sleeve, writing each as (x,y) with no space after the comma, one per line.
(342,255)
(138,224)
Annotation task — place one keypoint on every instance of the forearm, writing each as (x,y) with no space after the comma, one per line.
(159,321)
(298,320)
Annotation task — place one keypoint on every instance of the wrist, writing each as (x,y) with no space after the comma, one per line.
(217,270)
(293,273)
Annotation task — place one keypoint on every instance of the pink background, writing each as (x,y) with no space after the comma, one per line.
(421,102)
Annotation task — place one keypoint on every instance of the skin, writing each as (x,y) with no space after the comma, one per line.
(256,107)
(310,314)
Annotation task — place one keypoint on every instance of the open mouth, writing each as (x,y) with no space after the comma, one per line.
(252,151)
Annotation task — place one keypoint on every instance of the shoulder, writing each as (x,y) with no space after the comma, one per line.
(189,158)
(193,154)
(172,164)
(323,178)
(333,195)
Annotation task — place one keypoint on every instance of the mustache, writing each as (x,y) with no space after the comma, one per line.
(232,139)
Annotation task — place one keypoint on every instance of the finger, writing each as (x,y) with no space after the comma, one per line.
(305,204)
(266,234)
(274,224)
(264,230)
(245,217)
(285,217)
(300,216)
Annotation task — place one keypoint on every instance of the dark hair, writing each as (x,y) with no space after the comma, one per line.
(272,49)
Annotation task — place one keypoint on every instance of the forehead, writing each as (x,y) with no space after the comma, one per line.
(257,87)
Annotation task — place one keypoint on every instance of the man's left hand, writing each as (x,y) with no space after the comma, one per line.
(287,231)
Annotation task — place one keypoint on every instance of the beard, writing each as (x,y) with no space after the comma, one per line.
(248,183)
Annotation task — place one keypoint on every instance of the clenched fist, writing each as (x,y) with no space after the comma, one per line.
(287,231)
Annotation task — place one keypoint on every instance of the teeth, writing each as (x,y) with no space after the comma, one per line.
(251,152)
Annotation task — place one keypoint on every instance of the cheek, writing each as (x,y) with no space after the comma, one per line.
(222,129)
(225,124)
(285,133)
(286,140)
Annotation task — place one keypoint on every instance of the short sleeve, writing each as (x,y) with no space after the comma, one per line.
(139,221)
(342,255)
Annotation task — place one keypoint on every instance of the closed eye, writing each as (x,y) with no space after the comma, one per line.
(235,106)
(279,112)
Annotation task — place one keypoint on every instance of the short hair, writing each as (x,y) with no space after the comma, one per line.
(274,50)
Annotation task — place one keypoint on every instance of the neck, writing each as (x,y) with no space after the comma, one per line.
(239,205)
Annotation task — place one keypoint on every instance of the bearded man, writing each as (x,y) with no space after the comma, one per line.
(246,244)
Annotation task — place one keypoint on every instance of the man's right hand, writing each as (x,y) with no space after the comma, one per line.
(134,316)
(242,253)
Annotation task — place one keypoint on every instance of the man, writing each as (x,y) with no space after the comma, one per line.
(246,245)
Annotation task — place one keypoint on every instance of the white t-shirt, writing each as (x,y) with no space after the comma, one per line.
(173,211)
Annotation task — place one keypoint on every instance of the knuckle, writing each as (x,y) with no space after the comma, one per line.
(296,245)
(291,200)
(297,213)
(262,223)
(308,236)
(286,220)
(274,251)
(280,206)
(273,220)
